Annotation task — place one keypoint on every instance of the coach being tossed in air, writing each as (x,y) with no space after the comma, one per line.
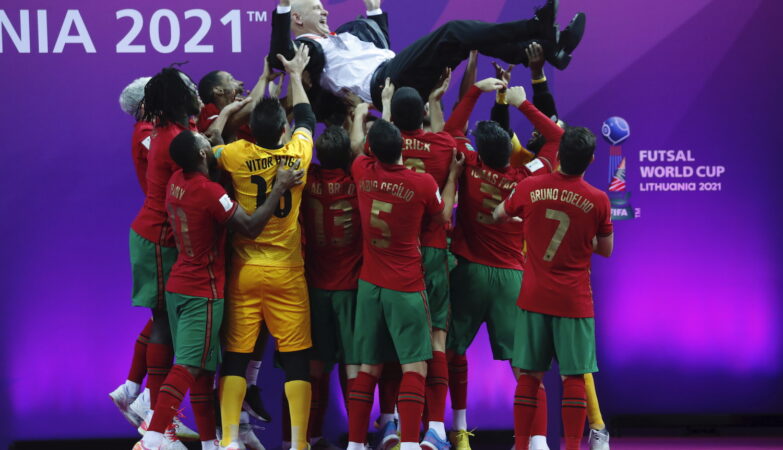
(357,60)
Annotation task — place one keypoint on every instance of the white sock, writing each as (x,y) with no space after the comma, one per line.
(439,429)
(396,414)
(538,442)
(210,445)
(355,446)
(409,446)
(251,373)
(244,417)
(460,419)
(132,388)
(152,439)
(385,418)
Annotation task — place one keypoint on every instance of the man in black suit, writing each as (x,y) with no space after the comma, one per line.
(343,63)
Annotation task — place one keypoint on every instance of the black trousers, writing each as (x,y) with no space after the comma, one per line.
(421,64)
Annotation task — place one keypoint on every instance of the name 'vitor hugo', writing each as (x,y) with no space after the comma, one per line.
(564,196)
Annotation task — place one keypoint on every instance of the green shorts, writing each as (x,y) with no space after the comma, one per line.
(391,326)
(332,316)
(481,293)
(436,279)
(541,337)
(195,329)
(151,264)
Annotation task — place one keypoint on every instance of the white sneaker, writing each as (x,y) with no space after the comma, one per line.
(538,443)
(122,399)
(141,406)
(212,445)
(171,441)
(183,431)
(248,437)
(599,439)
(232,446)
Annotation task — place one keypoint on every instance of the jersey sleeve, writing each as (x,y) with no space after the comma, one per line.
(301,145)
(516,202)
(226,156)
(605,227)
(433,200)
(220,205)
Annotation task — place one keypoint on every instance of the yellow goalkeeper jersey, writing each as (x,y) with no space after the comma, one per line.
(253,171)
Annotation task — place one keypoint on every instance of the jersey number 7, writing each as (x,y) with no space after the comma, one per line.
(560,232)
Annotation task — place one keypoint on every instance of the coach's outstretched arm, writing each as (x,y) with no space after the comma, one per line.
(252,225)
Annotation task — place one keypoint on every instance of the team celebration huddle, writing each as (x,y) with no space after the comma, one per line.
(382,259)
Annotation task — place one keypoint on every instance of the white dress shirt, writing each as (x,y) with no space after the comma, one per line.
(350,62)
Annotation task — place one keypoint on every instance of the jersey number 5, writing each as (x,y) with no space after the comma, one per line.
(376,222)
(280,211)
(560,232)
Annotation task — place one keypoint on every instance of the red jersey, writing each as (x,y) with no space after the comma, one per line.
(140,146)
(210,112)
(429,153)
(482,188)
(151,223)
(561,215)
(393,202)
(198,210)
(333,239)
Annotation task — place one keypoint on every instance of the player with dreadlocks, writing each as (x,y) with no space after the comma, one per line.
(170,100)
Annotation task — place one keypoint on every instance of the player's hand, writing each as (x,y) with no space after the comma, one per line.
(276,84)
(516,95)
(535,60)
(388,91)
(361,112)
(443,85)
(372,4)
(288,178)
(490,84)
(296,65)
(457,164)
(235,106)
(503,74)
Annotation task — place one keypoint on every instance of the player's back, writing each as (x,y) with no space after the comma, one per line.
(561,215)
(253,169)
(151,222)
(197,210)
(333,238)
(393,202)
(475,236)
(430,153)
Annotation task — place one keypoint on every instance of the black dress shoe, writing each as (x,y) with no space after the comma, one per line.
(572,35)
(559,59)
(546,16)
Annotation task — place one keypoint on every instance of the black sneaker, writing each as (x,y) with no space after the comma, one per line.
(254,405)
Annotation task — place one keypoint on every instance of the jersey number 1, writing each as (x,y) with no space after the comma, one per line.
(280,211)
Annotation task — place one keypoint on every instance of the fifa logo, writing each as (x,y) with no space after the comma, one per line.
(616,131)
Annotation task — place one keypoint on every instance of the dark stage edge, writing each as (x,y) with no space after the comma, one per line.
(623,443)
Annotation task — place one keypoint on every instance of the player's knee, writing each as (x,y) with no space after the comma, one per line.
(296,365)
(234,364)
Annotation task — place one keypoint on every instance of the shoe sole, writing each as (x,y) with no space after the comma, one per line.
(389,442)
(573,33)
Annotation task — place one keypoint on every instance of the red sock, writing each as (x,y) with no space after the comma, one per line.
(538,427)
(173,389)
(318,404)
(389,387)
(359,406)
(159,359)
(437,386)
(138,369)
(574,411)
(410,405)
(202,399)
(525,401)
(458,381)
(348,384)
(286,420)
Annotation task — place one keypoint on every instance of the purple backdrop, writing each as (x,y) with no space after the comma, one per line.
(688,307)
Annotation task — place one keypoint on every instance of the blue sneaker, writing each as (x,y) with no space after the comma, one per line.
(432,441)
(389,436)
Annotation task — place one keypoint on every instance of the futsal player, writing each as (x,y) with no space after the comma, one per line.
(267,280)
(565,221)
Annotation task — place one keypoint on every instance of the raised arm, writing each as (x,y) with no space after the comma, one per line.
(303,113)
(437,122)
(459,117)
(357,128)
(469,77)
(252,225)
(550,130)
(386,96)
(542,98)
(450,189)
